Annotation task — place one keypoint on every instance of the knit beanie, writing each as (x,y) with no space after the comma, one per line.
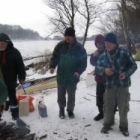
(99,39)
(111,37)
(4,37)
(69,32)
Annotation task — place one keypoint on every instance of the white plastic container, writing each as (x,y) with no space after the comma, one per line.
(24,107)
(90,80)
(38,99)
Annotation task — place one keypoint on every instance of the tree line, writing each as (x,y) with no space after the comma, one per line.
(123,18)
(119,16)
(16,32)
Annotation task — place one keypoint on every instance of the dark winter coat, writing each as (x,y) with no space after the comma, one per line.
(14,67)
(93,61)
(3,92)
(69,60)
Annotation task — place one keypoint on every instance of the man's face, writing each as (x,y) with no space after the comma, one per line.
(100,46)
(3,45)
(69,39)
(109,46)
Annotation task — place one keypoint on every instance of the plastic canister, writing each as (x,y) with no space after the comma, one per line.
(24,107)
(42,109)
(31,106)
(38,99)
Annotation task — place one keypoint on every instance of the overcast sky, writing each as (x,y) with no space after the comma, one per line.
(29,14)
(26,13)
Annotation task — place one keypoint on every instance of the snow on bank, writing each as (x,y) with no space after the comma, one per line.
(83,126)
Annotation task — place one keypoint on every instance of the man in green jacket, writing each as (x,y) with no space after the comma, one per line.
(71,59)
(12,68)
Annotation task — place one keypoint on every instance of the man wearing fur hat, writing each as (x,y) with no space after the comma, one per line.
(71,59)
(12,67)
(116,65)
(100,89)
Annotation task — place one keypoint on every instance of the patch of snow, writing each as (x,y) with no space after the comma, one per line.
(83,126)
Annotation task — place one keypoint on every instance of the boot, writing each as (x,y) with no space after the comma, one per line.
(62,113)
(124,131)
(15,113)
(99,117)
(71,114)
(105,129)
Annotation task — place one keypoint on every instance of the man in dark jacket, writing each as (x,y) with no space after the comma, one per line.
(71,58)
(100,89)
(116,65)
(3,95)
(12,67)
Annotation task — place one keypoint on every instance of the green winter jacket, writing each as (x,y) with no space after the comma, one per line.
(14,68)
(3,92)
(69,60)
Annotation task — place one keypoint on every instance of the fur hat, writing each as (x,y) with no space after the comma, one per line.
(111,37)
(69,32)
(99,39)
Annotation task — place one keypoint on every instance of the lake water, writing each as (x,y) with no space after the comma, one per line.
(35,48)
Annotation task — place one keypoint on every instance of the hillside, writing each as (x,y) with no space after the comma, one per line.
(16,32)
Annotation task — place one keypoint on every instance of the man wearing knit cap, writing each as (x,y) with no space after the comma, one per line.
(70,58)
(12,68)
(116,65)
(99,43)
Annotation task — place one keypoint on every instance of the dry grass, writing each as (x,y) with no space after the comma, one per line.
(42,64)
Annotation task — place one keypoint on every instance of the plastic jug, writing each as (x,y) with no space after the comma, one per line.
(31,106)
(42,109)
(90,80)
(38,99)
(24,107)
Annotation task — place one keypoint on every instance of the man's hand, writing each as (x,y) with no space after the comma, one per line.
(21,82)
(51,70)
(122,76)
(95,53)
(2,107)
(76,74)
(109,71)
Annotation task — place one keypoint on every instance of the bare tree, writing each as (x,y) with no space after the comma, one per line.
(89,12)
(122,22)
(64,14)
(79,14)
(127,15)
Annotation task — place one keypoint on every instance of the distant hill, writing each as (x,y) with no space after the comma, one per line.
(16,32)
(91,38)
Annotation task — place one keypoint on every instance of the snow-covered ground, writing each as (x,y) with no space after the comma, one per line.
(82,127)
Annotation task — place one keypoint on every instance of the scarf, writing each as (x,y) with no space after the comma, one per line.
(3,60)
